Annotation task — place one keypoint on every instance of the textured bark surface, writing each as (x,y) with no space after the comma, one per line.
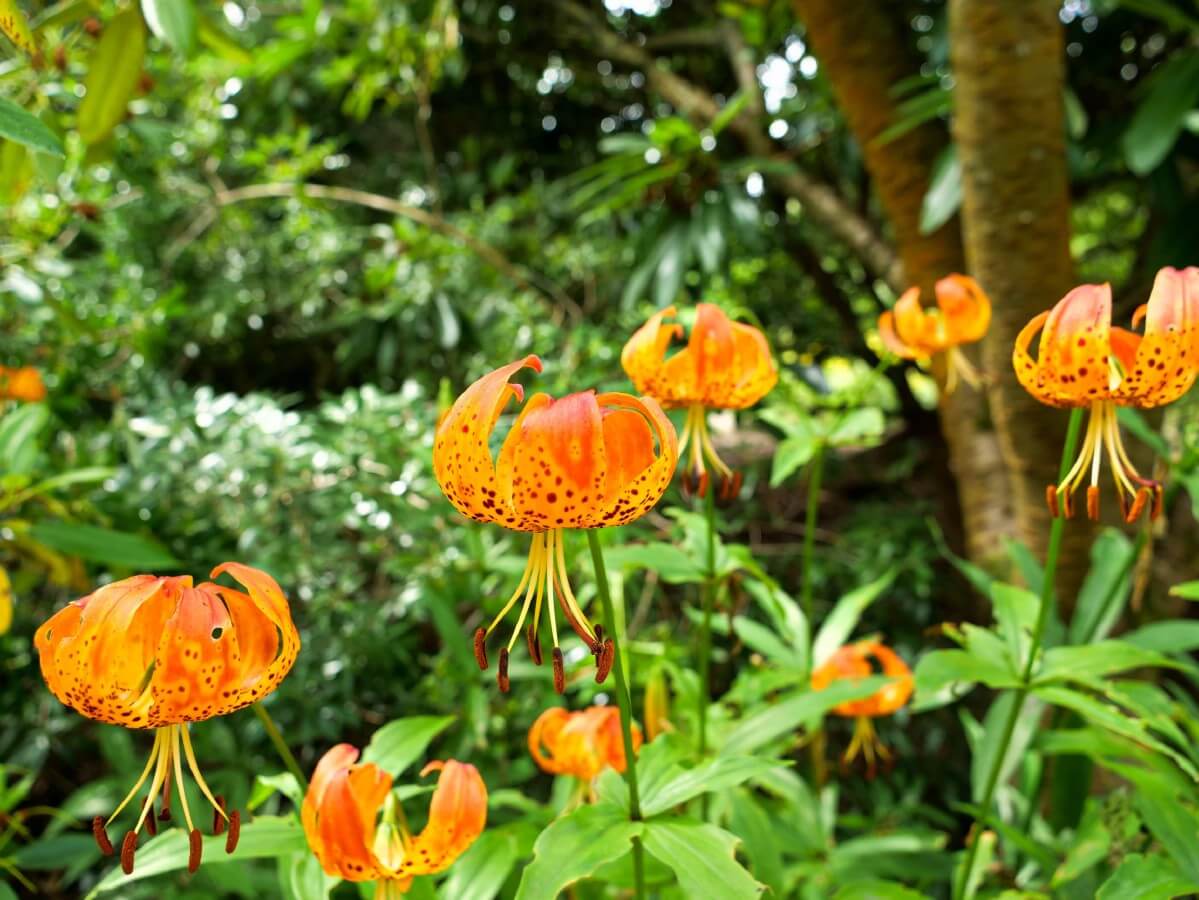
(1009,124)
(863,54)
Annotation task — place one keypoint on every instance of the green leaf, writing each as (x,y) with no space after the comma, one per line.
(1015,616)
(1171,636)
(857,427)
(212,37)
(401,742)
(945,675)
(1146,878)
(283,783)
(762,841)
(20,432)
(102,545)
(25,128)
(680,785)
(14,24)
(841,622)
(728,112)
(1104,591)
(1173,91)
(266,836)
(971,880)
(792,711)
(174,21)
(1158,799)
(987,746)
(944,194)
(1081,664)
(112,75)
(89,475)
(481,872)
(1188,590)
(877,890)
(791,454)
(703,858)
(574,847)
(302,878)
(672,563)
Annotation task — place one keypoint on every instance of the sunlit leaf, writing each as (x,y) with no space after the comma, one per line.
(174,21)
(701,856)
(401,742)
(113,71)
(27,129)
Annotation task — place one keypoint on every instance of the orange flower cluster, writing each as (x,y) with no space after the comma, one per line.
(725,365)
(582,743)
(151,652)
(355,828)
(23,384)
(853,662)
(583,461)
(961,316)
(1084,361)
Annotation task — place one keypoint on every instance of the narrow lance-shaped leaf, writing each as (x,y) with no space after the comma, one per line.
(27,129)
(112,75)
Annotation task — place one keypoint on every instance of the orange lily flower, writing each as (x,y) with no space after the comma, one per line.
(582,743)
(725,365)
(24,384)
(854,662)
(1083,361)
(341,818)
(583,461)
(961,316)
(156,652)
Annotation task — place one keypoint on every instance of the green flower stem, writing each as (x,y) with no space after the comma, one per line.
(624,700)
(704,695)
(815,475)
(1009,728)
(272,731)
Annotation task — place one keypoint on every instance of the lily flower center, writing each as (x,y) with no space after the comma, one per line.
(172,745)
(1134,491)
(545,578)
(703,456)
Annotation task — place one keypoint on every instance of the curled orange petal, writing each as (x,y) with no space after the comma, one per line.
(1166,360)
(854,662)
(580,744)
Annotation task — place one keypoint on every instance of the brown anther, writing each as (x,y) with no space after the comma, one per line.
(128,848)
(603,662)
(1068,504)
(218,817)
(687,484)
(1093,503)
(234,831)
(1156,512)
(151,824)
(195,848)
(100,833)
(534,645)
(559,671)
(730,487)
(60,58)
(501,677)
(481,648)
(599,638)
(1138,504)
(1051,500)
(91,25)
(165,814)
(701,487)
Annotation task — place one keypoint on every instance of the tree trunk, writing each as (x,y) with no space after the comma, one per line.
(1010,130)
(863,54)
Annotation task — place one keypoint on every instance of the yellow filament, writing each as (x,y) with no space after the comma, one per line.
(187,816)
(160,774)
(555,541)
(529,565)
(1112,441)
(145,774)
(710,451)
(195,770)
(571,603)
(1094,431)
(536,584)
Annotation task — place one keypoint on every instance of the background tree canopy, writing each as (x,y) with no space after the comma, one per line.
(256,248)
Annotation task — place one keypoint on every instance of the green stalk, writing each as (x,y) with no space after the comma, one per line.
(1009,728)
(815,474)
(276,737)
(705,633)
(624,700)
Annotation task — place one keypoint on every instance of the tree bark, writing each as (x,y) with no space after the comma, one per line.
(1010,129)
(862,52)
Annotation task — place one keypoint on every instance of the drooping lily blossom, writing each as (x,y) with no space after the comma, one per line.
(1084,361)
(23,384)
(961,316)
(158,652)
(581,743)
(583,461)
(854,662)
(358,832)
(725,365)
